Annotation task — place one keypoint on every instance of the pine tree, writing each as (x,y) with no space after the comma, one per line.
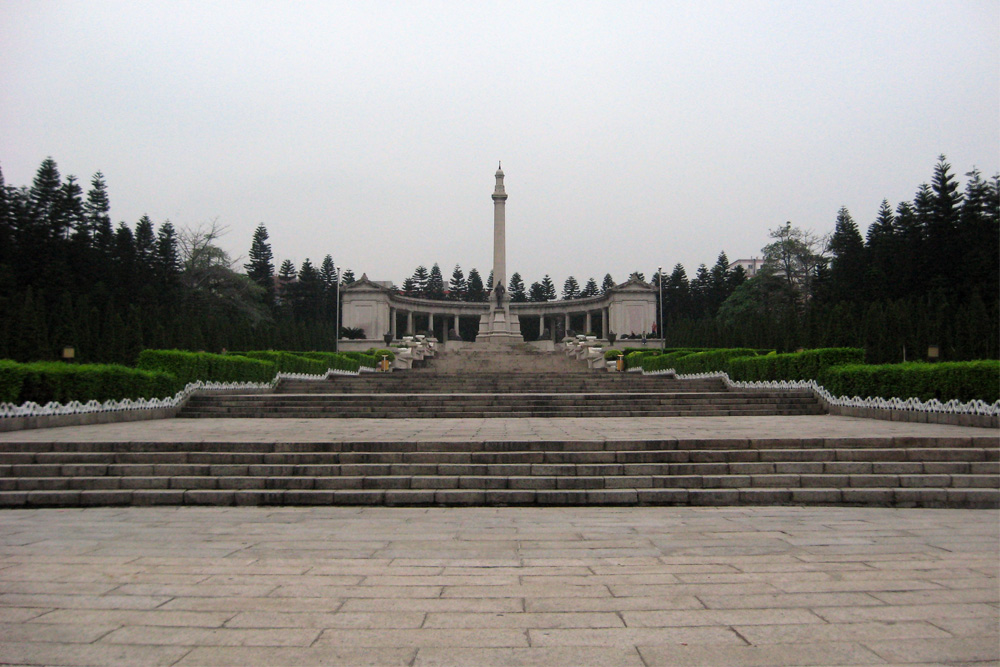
(458,286)
(700,290)
(44,198)
(676,294)
(260,268)
(168,262)
(145,245)
(571,289)
(435,284)
(476,292)
(515,289)
(308,293)
(420,278)
(550,288)
(287,276)
(348,277)
(590,289)
(848,260)
(536,292)
(71,214)
(328,279)
(489,284)
(607,284)
(409,287)
(719,288)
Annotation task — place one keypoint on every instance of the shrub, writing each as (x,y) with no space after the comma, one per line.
(333,360)
(11,380)
(710,360)
(962,380)
(378,352)
(288,362)
(352,333)
(662,361)
(46,381)
(365,360)
(805,365)
(611,355)
(194,366)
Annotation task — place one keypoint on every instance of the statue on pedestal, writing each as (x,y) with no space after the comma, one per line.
(499,291)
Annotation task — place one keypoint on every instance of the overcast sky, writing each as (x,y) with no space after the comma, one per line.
(632,134)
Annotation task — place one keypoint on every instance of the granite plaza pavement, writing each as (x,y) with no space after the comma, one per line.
(498,586)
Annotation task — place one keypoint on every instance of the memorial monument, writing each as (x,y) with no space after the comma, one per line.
(498,326)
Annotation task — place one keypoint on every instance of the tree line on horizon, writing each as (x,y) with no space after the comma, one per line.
(926,273)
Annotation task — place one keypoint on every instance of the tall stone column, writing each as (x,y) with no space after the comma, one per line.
(498,325)
(499,232)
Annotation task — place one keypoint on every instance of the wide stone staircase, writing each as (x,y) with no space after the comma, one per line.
(711,468)
(578,394)
(927,472)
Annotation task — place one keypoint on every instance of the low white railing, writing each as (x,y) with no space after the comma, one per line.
(953,406)
(52,408)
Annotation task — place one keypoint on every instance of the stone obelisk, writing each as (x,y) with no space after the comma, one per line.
(499,231)
(498,325)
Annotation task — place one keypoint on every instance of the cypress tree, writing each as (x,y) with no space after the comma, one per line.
(608,283)
(457,286)
(435,284)
(571,289)
(260,268)
(515,289)
(476,291)
(549,287)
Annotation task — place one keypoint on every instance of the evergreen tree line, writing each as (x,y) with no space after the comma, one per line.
(926,274)
(70,278)
(430,285)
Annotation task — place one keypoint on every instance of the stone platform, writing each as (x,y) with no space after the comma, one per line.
(581,586)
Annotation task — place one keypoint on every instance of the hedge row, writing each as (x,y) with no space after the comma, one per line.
(288,362)
(964,380)
(710,360)
(805,365)
(366,360)
(333,360)
(193,366)
(44,381)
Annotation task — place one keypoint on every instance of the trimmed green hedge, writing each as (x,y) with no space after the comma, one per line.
(805,365)
(193,366)
(964,380)
(11,380)
(710,360)
(366,360)
(44,381)
(289,362)
(663,361)
(334,360)
(612,354)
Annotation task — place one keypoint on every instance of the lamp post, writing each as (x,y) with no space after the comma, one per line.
(663,334)
(336,317)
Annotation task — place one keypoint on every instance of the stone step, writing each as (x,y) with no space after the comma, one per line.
(982,498)
(980,448)
(537,481)
(964,462)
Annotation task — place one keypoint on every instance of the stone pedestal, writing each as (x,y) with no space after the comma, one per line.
(499,327)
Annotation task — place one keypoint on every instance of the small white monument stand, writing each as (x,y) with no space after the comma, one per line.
(498,326)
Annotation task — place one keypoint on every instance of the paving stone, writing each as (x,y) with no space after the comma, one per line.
(545,656)
(39,653)
(945,650)
(315,656)
(819,653)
